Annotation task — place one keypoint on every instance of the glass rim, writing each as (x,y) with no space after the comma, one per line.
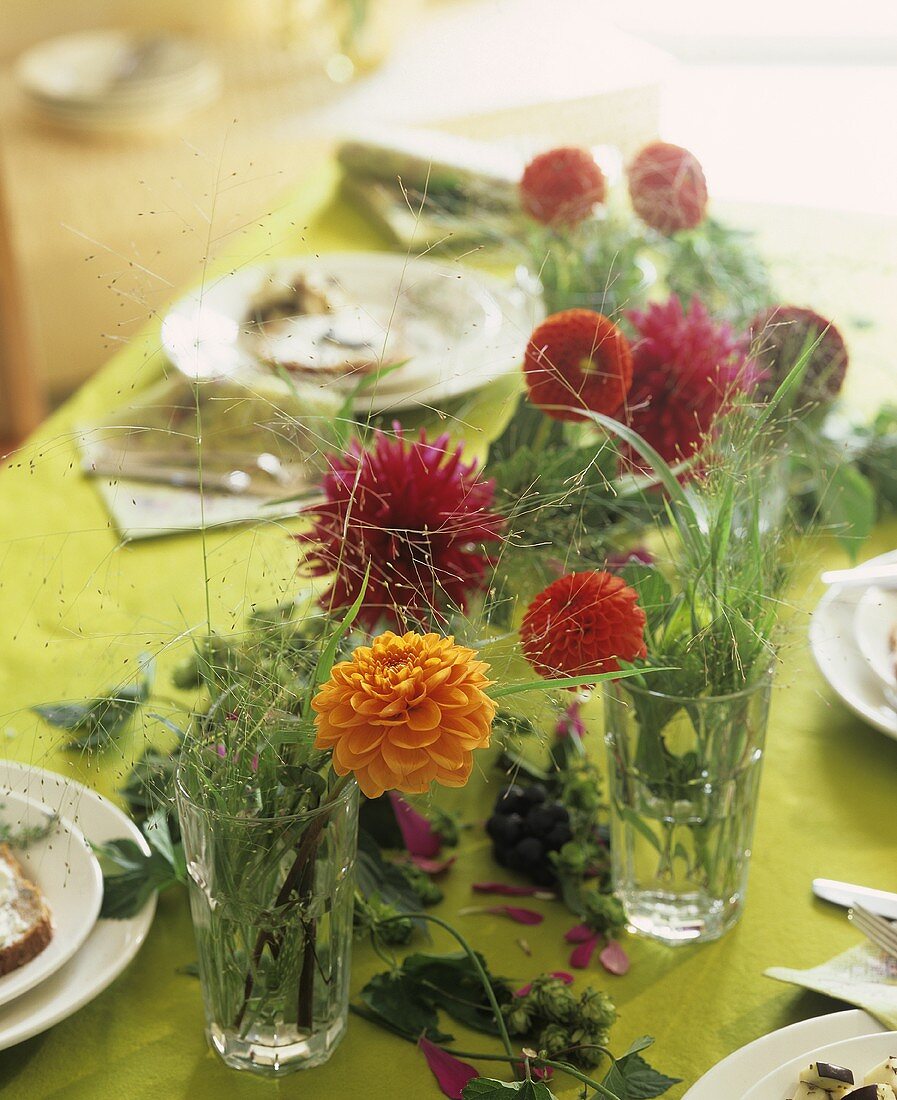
(343,797)
(627,684)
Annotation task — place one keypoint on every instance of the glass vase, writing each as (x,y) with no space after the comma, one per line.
(684,775)
(272,902)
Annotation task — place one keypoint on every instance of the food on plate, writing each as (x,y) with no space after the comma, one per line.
(885,1074)
(25,924)
(298,297)
(824,1081)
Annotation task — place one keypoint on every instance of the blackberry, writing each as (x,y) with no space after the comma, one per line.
(525,826)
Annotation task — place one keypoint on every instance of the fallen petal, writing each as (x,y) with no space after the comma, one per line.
(512,912)
(579,934)
(417,832)
(614,958)
(509,891)
(581,955)
(450,1072)
(433,866)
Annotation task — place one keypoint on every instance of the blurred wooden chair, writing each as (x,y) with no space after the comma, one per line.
(23,399)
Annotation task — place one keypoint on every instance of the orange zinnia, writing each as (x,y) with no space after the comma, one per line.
(405,711)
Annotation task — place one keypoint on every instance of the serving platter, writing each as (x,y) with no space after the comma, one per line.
(428,331)
(859,1054)
(743,1069)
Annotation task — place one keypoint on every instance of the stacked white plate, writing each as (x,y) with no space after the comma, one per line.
(768,1068)
(118,81)
(853,635)
(85,952)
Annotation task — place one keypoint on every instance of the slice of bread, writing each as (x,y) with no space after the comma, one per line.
(25,924)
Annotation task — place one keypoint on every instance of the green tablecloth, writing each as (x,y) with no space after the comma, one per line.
(76,606)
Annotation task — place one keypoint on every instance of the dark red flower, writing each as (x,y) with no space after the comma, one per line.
(416,514)
(581,624)
(782,334)
(667,187)
(686,369)
(561,187)
(581,359)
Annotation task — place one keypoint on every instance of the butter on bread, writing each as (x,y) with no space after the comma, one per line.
(26,927)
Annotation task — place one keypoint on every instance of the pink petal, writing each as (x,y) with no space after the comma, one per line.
(417,833)
(566,978)
(581,956)
(614,958)
(579,934)
(451,1073)
(433,866)
(522,916)
(512,891)
(543,1074)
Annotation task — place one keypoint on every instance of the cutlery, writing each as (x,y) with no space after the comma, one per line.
(876,929)
(879,902)
(885,576)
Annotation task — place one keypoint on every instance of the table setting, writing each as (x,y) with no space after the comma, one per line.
(464,665)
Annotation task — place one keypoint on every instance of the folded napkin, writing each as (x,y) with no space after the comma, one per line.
(862,976)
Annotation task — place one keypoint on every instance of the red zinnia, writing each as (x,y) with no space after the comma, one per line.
(782,334)
(561,187)
(686,368)
(583,623)
(667,187)
(416,514)
(578,358)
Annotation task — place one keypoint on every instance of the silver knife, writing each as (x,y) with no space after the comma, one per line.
(848,895)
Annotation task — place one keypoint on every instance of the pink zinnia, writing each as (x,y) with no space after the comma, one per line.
(416,514)
(686,368)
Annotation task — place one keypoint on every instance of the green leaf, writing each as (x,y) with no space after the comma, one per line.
(99,721)
(567,682)
(397,999)
(847,505)
(485,1088)
(631,1078)
(453,984)
(133,879)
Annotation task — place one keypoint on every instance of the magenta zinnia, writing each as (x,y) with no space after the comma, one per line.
(686,367)
(417,515)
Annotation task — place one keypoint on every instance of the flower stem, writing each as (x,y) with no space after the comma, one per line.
(562,1067)
(483,976)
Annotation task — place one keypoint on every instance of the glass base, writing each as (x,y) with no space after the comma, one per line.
(679,918)
(270,1060)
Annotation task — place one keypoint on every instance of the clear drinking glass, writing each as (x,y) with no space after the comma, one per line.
(684,777)
(272,901)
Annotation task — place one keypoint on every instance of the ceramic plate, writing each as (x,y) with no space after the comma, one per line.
(111,945)
(738,1073)
(451,329)
(833,641)
(875,627)
(858,1054)
(65,869)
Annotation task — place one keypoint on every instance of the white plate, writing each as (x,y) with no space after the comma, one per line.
(455,328)
(69,877)
(110,946)
(859,1054)
(840,661)
(741,1070)
(875,628)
